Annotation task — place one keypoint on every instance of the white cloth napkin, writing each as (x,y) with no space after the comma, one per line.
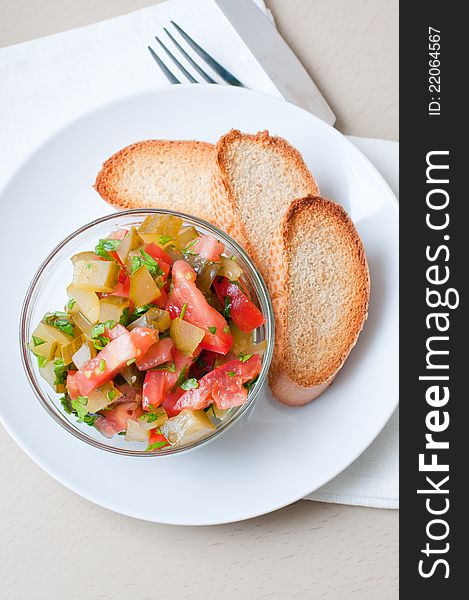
(48,82)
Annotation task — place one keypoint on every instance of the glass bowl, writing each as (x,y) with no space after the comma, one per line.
(47,292)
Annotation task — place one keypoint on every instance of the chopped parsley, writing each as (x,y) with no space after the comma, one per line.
(102,365)
(149,262)
(60,371)
(226,329)
(105,246)
(212,330)
(122,432)
(111,395)
(249,385)
(231,374)
(99,329)
(189,384)
(37,341)
(181,378)
(169,367)
(183,311)
(60,321)
(79,404)
(100,340)
(188,249)
(131,361)
(165,239)
(70,407)
(156,446)
(65,402)
(227,308)
(124,320)
(153,414)
(71,303)
(41,361)
(138,312)
(244,357)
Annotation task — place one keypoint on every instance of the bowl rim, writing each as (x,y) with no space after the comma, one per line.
(264,298)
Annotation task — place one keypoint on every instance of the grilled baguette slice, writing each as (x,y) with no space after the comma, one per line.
(255,177)
(159,174)
(320,289)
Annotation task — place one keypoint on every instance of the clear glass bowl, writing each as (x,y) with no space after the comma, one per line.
(47,293)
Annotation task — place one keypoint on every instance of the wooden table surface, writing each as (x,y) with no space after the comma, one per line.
(53,544)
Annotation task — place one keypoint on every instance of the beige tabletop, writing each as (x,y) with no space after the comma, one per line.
(55,545)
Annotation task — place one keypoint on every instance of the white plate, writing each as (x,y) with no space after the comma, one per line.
(273,456)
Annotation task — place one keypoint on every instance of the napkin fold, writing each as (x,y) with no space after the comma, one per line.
(48,82)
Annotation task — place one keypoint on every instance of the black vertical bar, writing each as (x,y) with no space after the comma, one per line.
(433,130)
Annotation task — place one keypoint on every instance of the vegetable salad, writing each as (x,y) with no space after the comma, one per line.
(156,340)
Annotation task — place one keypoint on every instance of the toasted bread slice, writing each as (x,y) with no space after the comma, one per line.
(255,177)
(159,174)
(320,290)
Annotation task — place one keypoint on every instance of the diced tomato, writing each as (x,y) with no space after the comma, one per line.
(174,311)
(206,246)
(115,420)
(162,300)
(157,354)
(170,401)
(224,386)
(158,253)
(115,332)
(143,338)
(72,386)
(118,235)
(198,311)
(244,313)
(105,364)
(153,389)
(157,438)
(204,364)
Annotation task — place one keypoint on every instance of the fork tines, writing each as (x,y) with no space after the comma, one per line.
(209,60)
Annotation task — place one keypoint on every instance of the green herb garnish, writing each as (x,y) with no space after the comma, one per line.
(111,395)
(100,341)
(147,260)
(102,365)
(244,357)
(249,385)
(165,239)
(156,446)
(226,329)
(231,374)
(124,320)
(105,246)
(170,367)
(187,250)
(227,308)
(60,321)
(180,379)
(183,311)
(79,404)
(189,384)
(212,330)
(122,433)
(131,361)
(60,371)
(71,303)
(37,341)
(41,361)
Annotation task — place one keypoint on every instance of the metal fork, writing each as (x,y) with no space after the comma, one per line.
(225,75)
